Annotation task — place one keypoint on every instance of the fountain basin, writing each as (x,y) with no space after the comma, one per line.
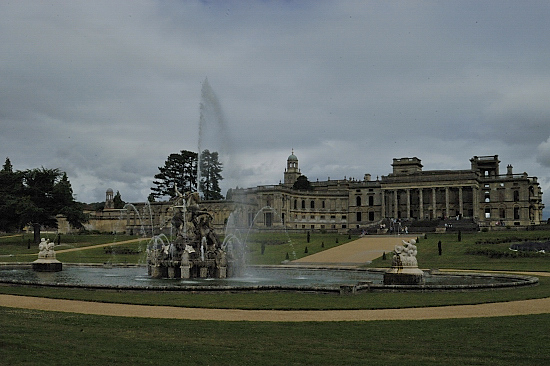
(264,278)
(47,265)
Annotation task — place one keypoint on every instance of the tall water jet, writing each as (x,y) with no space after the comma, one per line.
(213,132)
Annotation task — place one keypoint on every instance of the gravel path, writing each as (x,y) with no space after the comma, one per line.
(538,306)
(358,251)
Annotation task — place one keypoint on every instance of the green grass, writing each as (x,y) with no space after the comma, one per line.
(51,338)
(278,245)
(291,301)
(454,253)
(16,248)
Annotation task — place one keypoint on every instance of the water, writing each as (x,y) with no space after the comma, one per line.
(213,131)
(254,277)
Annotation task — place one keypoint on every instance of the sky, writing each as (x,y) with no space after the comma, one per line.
(106,90)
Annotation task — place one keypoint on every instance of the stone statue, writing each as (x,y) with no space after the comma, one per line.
(404,267)
(46,261)
(46,249)
(405,255)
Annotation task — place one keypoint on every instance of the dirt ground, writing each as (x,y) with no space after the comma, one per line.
(356,252)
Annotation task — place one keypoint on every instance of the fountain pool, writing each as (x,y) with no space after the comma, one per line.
(265,278)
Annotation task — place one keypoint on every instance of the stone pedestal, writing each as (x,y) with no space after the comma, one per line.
(204,272)
(404,276)
(185,271)
(47,265)
(171,272)
(156,272)
(223,272)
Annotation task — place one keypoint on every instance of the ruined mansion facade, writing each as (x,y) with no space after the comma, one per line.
(482,195)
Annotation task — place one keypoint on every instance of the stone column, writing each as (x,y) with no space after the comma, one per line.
(383,203)
(395,203)
(434,206)
(447,201)
(421,199)
(408,203)
(475,201)
(460,202)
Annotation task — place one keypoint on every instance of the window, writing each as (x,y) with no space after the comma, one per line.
(516,196)
(303,204)
(516,213)
(488,213)
(323,204)
(295,204)
(358,201)
(371,200)
(359,216)
(312,204)
(487,196)
(371,216)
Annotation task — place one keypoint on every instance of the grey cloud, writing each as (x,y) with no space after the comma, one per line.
(107,90)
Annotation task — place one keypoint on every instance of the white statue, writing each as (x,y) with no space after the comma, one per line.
(405,255)
(43,248)
(46,249)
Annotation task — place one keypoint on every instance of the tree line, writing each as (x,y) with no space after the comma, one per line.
(34,197)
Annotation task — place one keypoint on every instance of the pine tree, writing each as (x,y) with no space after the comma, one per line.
(211,169)
(179,169)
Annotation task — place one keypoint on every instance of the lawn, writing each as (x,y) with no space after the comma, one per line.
(51,338)
(492,248)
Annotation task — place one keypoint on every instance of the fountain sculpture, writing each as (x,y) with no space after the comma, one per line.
(404,268)
(46,261)
(196,251)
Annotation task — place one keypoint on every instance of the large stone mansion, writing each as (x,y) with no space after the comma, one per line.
(480,195)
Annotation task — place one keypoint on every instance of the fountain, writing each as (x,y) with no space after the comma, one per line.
(46,261)
(404,267)
(196,251)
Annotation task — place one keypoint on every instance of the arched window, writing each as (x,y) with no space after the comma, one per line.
(312,204)
(295,204)
(371,200)
(359,216)
(516,196)
(358,201)
(304,204)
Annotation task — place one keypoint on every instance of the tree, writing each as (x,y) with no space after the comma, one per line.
(211,170)
(11,192)
(302,184)
(179,169)
(47,193)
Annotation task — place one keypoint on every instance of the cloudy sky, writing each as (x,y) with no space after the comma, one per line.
(107,90)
